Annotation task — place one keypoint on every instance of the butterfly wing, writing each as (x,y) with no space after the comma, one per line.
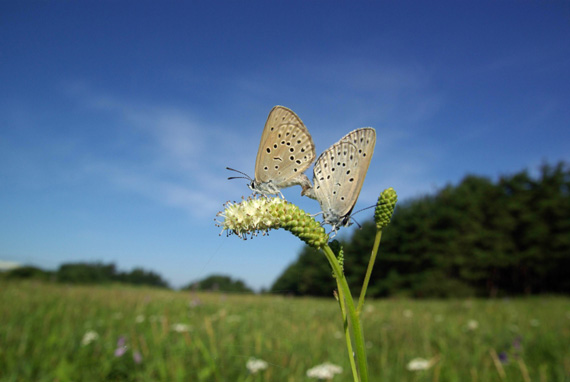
(365,140)
(286,149)
(339,174)
(334,184)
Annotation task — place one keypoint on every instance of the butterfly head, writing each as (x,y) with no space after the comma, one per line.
(335,220)
(264,188)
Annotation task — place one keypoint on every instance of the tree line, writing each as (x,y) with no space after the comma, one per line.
(477,238)
(89,273)
(101,273)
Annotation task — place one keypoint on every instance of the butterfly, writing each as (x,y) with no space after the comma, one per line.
(339,173)
(285,152)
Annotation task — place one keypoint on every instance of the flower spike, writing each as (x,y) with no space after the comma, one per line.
(385,207)
(256,215)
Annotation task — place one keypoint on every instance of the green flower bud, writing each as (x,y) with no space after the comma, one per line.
(259,215)
(385,207)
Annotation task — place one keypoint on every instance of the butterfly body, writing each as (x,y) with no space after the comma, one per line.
(285,152)
(338,176)
(271,188)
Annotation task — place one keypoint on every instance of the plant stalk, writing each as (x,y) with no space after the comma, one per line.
(371,262)
(347,332)
(354,320)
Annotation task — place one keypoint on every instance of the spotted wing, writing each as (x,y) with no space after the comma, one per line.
(334,182)
(365,140)
(340,171)
(286,149)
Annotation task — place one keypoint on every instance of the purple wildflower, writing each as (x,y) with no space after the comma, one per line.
(121,347)
(137,357)
(120,351)
(503,357)
(121,341)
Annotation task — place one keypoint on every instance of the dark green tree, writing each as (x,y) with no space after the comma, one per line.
(86,273)
(219,283)
(309,275)
(139,276)
(479,237)
(28,272)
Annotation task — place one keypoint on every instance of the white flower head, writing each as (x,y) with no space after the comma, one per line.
(407,313)
(472,325)
(418,364)
(324,371)
(181,328)
(259,215)
(250,216)
(139,319)
(89,337)
(254,365)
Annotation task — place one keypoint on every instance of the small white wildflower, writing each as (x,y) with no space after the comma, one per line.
(408,313)
(324,371)
(472,325)
(250,216)
(181,328)
(418,364)
(254,365)
(139,319)
(89,337)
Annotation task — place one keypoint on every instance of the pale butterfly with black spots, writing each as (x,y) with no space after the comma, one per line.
(285,152)
(339,173)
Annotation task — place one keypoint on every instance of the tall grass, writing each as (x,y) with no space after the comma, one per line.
(185,336)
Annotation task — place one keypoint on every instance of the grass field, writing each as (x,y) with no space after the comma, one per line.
(51,332)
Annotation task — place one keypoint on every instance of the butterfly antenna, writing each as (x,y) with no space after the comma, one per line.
(355,221)
(239,177)
(364,209)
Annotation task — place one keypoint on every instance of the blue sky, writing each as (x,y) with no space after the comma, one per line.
(117,119)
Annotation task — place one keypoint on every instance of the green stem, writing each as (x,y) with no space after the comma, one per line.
(346,332)
(354,319)
(369,271)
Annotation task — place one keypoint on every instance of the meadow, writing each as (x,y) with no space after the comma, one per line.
(54,332)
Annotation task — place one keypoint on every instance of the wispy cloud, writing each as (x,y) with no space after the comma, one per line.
(173,157)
